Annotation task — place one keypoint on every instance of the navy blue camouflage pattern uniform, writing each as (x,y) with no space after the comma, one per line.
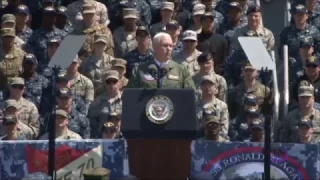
(135,58)
(34,89)
(26,33)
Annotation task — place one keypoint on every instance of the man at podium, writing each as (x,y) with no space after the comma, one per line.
(162,72)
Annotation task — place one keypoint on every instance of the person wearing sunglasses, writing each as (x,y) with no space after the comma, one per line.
(28,111)
(311,75)
(77,122)
(110,101)
(189,54)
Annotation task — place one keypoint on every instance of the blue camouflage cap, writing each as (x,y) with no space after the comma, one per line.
(62,10)
(62,76)
(49,11)
(37,175)
(306,42)
(30,58)
(234,5)
(54,40)
(64,92)
(22,9)
(7,120)
(109,127)
(257,124)
(299,9)
(250,99)
(253,112)
(253,9)
(306,122)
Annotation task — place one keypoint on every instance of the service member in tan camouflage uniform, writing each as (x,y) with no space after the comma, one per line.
(9,21)
(91,27)
(249,85)
(210,105)
(28,112)
(74,12)
(167,10)
(189,55)
(120,65)
(124,37)
(288,128)
(105,104)
(212,129)
(80,84)
(206,64)
(95,66)
(10,57)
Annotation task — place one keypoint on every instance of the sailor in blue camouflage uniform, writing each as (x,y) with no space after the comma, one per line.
(312,7)
(78,122)
(155,6)
(306,130)
(232,21)
(143,53)
(40,37)
(23,31)
(292,34)
(62,20)
(34,82)
(257,130)
(210,7)
(53,45)
(223,7)
(174,29)
(61,82)
(37,175)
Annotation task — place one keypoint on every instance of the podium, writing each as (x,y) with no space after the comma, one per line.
(159,125)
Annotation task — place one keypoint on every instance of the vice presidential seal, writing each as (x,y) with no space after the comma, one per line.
(159,109)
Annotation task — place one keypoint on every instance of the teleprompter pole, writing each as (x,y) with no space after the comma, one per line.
(267,148)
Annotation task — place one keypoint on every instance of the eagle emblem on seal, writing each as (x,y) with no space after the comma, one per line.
(159,109)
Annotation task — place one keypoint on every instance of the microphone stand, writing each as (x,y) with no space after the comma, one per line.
(52,125)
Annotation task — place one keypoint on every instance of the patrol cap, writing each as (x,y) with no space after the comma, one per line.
(248,65)
(62,11)
(173,24)
(305,89)
(198,9)
(189,35)
(37,175)
(312,60)
(8,32)
(30,58)
(96,173)
(299,9)
(88,8)
(62,76)
(143,29)
(235,5)
(64,92)
(168,6)
(208,78)
(306,42)
(112,74)
(109,126)
(22,9)
(8,18)
(62,113)
(101,38)
(7,120)
(204,57)
(118,62)
(54,40)
(17,80)
(306,122)
(257,124)
(212,119)
(49,11)
(206,15)
(129,13)
(253,9)
(12,103)
(250,99)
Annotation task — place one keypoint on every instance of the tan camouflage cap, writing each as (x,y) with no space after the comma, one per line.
(101,38)
(8,18)
(62,113)
(112,74)
(118,62)
(305,89)
(96,173)
(130,13)
(12,103)
(212,119)
(189,35)
(198,9)
(88,8)
(17,80)
(208,78)
(8,32)
(168,6)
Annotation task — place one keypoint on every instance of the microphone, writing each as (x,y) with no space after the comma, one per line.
(163,71)
(153,71)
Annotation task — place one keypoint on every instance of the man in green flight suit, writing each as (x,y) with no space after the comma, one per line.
(171,74)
